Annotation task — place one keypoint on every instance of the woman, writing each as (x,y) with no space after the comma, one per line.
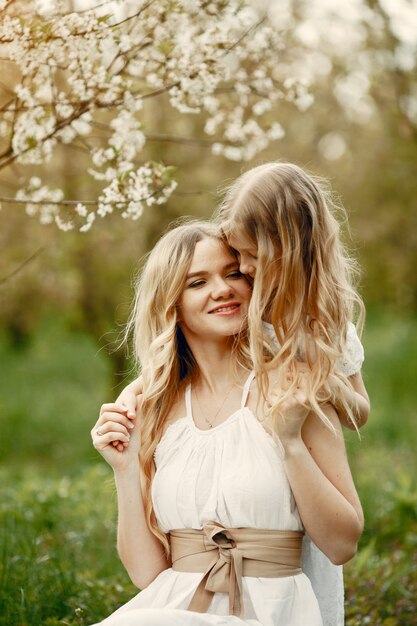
(230,478)
(281,221)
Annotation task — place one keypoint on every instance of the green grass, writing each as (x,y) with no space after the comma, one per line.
(57,546)
(58,563)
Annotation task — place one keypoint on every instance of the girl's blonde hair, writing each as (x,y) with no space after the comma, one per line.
(304,279)
(161,350)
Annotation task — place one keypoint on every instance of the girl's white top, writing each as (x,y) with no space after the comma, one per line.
(233,474)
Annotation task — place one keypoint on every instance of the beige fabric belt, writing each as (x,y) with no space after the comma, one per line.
(224,555)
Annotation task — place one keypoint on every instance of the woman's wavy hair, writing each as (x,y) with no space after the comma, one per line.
(161,351)
(304,281)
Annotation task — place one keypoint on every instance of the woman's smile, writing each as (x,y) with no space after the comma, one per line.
(226,309)
(216,288)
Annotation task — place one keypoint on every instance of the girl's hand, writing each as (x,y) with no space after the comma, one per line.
(116,437)
(295,409)
(129,397)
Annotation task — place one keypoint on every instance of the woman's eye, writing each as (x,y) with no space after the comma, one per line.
(195,284)
(235,274)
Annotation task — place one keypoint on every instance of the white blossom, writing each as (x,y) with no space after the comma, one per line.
(81,210)
(89,80)
(63,225)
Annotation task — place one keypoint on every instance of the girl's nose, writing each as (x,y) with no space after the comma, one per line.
(246,267)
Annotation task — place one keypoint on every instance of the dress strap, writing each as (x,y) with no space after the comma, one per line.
(188,402)
(245,391)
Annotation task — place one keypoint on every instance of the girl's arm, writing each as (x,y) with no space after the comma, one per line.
(358,400)
(140,551)
(356,395)
(318,471)
(129,395)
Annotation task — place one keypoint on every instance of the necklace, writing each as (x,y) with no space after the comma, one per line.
(210,423)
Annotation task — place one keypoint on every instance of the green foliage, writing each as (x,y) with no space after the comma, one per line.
(49,395)
(58,559)
(381,581)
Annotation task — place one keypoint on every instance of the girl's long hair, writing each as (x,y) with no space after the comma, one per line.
(304,281)
(161,351)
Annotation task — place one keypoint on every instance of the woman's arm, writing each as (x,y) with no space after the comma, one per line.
(358,399)
(140,551)
(322,484)
(316,465)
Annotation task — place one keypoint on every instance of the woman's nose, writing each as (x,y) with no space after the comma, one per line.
(222,289)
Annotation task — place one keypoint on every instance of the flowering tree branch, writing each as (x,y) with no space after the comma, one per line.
(72,66)
(226,60)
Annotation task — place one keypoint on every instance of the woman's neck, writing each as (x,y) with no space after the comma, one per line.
(217,367)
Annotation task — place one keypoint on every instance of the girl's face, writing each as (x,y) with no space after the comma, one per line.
(216,296)
(247,253)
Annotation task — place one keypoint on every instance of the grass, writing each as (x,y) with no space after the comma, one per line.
(57,544)
(58,563)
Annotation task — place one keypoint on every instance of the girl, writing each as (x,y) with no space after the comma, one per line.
(281,222)
(222,500)
(279,219)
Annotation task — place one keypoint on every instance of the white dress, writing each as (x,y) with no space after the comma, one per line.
(326,578)
(232,474)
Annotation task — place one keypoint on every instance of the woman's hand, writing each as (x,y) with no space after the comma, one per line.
(128,402)
(117,437)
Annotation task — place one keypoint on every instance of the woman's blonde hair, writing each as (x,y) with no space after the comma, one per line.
(304,279)
(161,350)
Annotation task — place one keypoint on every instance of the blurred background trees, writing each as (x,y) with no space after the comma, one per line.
(349,112)
(360,130)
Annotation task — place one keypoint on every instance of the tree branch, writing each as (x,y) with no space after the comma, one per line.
(10,200)
(205,143)
(245,34)
(19,268)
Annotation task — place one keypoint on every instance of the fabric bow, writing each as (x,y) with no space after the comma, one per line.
(225,555)
(225,572)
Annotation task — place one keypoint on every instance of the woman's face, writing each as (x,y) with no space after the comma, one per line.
(216,296)
(247,253)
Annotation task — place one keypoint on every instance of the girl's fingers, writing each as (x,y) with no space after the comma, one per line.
(130,403)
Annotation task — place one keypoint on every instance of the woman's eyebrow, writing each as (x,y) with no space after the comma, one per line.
(205,272)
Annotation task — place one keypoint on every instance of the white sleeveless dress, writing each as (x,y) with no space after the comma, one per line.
(326,578)
(232,474)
